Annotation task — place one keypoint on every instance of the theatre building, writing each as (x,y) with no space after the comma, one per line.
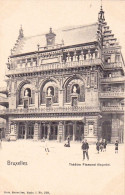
(66,82)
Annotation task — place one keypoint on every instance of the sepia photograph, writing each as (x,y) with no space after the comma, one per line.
(62,97)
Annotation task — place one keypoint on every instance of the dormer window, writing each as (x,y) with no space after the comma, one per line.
(50,38)
(107,59)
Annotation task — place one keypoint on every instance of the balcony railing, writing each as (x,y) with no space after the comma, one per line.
(55,66)
(113,108)
(113,79)
(3,90)
(3,99)
(112,94)
(113,65)
(50,110)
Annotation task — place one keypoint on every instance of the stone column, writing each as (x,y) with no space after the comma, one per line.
(26,129)
(61,101)
(48,136)
(36,99)
(7,132)
(64,130)
(60,131)
(74,130)
(36,131)
(17,130)
(90,130)
(115,125)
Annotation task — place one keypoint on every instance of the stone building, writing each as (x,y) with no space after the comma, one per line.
(67,82)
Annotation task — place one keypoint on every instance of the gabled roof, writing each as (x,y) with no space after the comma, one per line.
(70,36)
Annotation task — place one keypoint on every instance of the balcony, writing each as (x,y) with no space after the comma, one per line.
(113,65)
(55,66)
(3,90)
(4,101)
(50,110)
(112,94)
(113,80)
(113,109)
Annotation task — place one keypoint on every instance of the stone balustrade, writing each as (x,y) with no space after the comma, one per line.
(3,90)
(3,99)
(113,79)
(113,108)
(55,66)
(50,110)
(113,65)
(62,110)
(111,94)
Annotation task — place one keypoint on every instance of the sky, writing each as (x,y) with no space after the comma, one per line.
(37,16)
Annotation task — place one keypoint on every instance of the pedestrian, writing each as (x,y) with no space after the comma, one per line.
(85,147)
(68,138)
(101,145)
(116,146)
(97,146)
(46,145)
(67,143)
(0,143)
(104,144)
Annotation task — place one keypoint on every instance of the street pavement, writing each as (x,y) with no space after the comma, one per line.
(25,168)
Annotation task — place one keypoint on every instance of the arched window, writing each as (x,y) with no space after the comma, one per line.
(26,94)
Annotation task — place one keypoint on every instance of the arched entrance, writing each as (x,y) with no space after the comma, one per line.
(21,134)
(69,130)
(53,131)
(30,131)
(44,131)
(79,135)
(106,130)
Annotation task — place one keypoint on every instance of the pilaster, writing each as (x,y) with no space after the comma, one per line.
(36,131)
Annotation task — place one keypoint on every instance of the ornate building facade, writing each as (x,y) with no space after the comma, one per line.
(69,82)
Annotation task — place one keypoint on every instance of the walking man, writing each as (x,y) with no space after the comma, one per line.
(46,145)
(85,147)
(105,144)
(97,146)
(0,143)
(116,146)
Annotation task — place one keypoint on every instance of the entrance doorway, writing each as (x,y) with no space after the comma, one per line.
(106,131)
(30,131)
(69,130)
(79,135)
(44,131)
(21,134)
(53,131)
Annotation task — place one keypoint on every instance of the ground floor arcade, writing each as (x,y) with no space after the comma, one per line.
(50,130)
(92,127)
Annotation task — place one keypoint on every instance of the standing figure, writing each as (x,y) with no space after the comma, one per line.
(46,145)
(85,147)
(67,144)
(0,143)
(104,144)
(26,93)
(74,89)
(101,146)
(116,146)
(97,146)
(49,91)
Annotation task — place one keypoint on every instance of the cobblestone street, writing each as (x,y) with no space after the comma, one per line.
(60,171)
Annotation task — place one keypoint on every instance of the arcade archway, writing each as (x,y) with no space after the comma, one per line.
(106,131)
